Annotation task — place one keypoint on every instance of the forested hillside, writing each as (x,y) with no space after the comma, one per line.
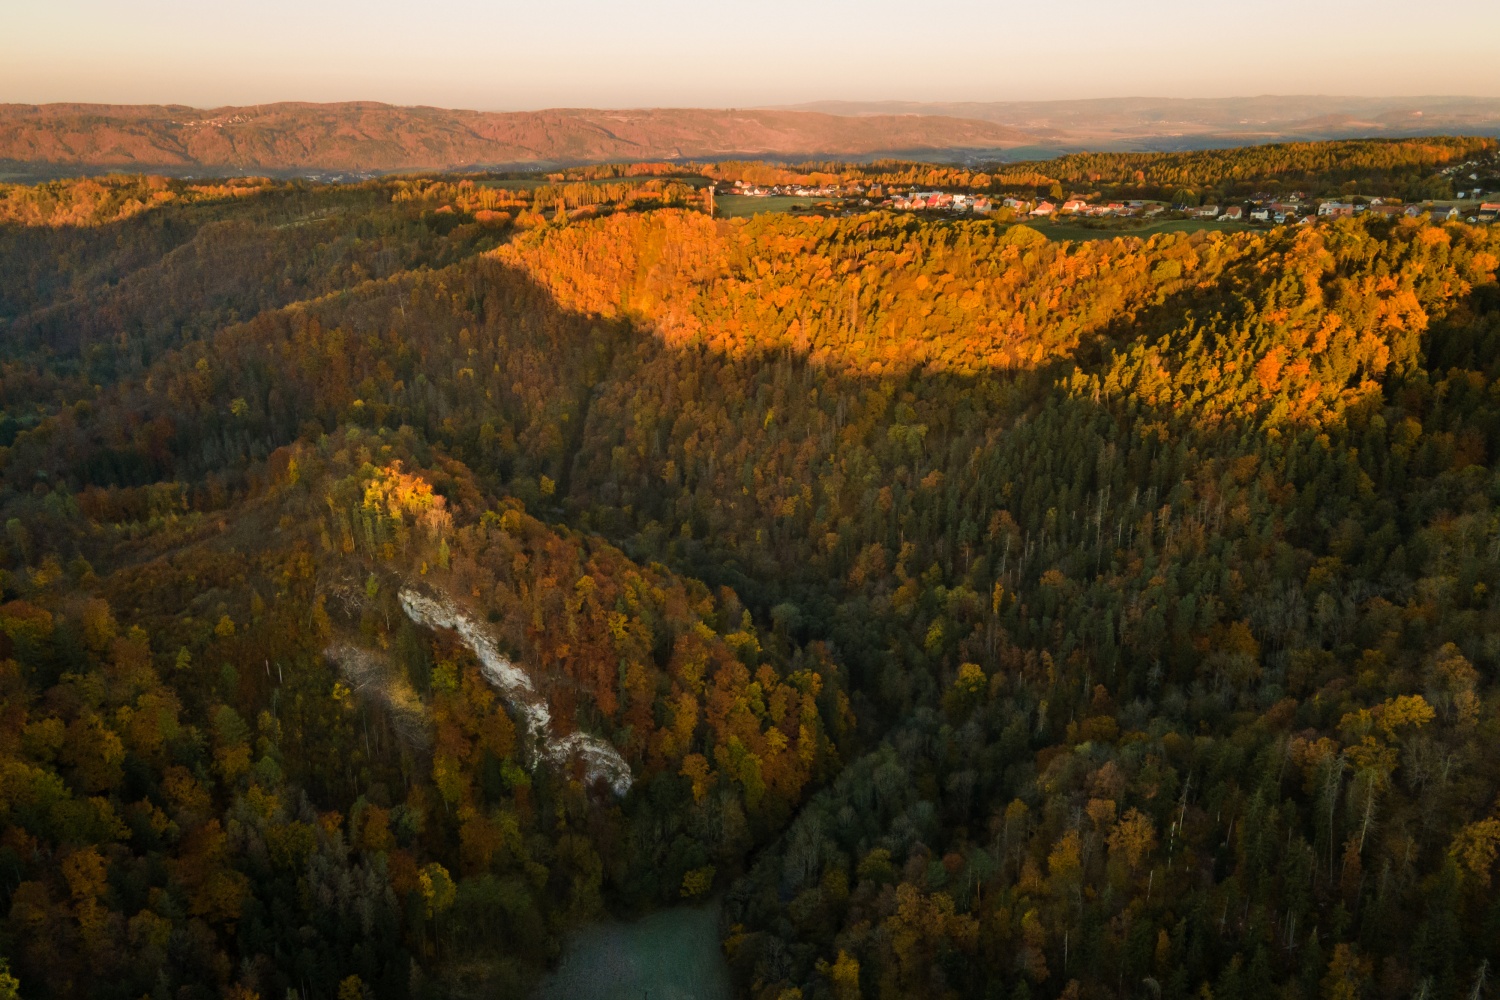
(1403,168)
(977,615)
(365,136)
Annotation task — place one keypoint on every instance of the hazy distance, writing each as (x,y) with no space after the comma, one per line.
(509,56)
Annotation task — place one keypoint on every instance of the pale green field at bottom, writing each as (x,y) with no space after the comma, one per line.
(671,955)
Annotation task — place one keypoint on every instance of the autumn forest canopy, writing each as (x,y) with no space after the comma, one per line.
(397,576)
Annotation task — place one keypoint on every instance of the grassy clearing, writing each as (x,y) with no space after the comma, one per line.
(738,206)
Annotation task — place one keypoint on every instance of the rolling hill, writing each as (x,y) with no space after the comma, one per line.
(370,137)
(1164,123)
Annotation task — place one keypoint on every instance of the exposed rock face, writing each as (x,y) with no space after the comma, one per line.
(601,761)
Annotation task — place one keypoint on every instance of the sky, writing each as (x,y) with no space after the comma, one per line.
(505,55)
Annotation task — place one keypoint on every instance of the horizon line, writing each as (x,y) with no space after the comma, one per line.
(805,105)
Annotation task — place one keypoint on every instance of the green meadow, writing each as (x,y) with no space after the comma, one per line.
(738,206)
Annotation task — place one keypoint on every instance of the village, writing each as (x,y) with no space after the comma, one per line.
(1293,209)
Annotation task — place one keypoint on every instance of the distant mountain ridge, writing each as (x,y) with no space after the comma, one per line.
(372,137)
(1176,123)
(363,137)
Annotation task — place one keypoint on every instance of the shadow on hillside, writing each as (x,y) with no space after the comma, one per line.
(675,453)
(104,302)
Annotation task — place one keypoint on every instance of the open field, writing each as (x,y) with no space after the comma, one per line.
(737,206)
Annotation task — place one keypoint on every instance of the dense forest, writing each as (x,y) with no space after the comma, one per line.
(974,614)
(1412,169)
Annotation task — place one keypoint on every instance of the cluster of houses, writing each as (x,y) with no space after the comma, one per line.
(1486,211)
(941,201)
(795,190)
(1261,208)
(1309,212)
(1296,208)
(1113,209)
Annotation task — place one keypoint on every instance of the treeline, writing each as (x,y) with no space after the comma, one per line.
(888,173)
(534,204)
(95,202)
(873,295)
(80,308)
(1374,167)
(1405,168)
(609,171)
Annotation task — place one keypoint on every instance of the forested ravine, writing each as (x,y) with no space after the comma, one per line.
(976,615)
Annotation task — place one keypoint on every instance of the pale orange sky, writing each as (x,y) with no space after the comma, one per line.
(506,55)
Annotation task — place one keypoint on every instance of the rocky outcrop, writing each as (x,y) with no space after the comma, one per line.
(601,762)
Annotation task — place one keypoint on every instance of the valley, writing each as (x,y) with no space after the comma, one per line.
(520,583)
